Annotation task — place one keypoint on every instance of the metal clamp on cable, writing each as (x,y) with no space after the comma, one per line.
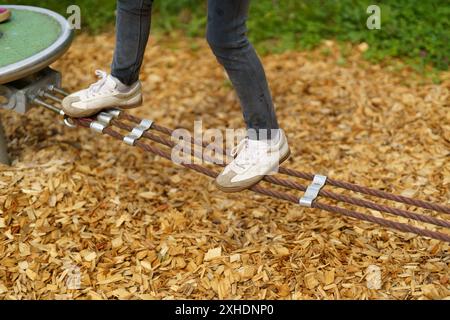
(105,117)
(138,131)
(313,190)
(114,112)
(97,126)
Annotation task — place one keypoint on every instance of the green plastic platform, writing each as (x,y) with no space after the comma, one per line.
(30,41)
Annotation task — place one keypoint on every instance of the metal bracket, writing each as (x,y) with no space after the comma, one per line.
(21,93)
(138,131)
(313,190)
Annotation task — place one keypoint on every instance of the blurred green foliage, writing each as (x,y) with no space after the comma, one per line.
(417,31)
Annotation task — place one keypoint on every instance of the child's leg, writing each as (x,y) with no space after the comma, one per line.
(226,35)
(132,32)
(122,88)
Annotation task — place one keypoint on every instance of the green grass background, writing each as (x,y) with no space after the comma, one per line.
(416,31)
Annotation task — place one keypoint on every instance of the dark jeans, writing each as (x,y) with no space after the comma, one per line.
(226,35)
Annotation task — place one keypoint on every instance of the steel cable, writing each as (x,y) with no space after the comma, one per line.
(295,185)
(330,181)
(85,122)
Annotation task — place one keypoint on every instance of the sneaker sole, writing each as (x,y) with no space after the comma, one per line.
(250,184)
(91,112)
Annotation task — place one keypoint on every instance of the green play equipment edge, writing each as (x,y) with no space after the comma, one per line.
(31,40)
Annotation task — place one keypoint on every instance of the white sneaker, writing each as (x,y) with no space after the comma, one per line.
(106,93)
(254,160)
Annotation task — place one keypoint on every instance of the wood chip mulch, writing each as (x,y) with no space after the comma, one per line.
(134,226)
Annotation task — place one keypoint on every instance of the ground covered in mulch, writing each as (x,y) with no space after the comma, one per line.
(136,226)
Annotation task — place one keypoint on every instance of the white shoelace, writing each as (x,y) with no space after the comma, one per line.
(245,157)
(96,87)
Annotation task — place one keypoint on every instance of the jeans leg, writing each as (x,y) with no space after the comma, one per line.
(226,35)
(132,32)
